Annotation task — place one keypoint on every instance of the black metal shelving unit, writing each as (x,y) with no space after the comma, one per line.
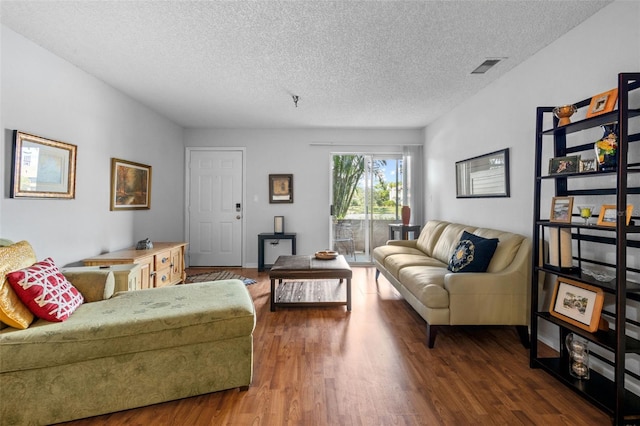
(609,394)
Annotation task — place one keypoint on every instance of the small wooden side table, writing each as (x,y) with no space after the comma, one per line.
(404,231)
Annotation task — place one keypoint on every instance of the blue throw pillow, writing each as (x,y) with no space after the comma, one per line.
(473,253)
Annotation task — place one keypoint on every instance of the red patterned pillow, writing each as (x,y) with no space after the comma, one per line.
(45,291)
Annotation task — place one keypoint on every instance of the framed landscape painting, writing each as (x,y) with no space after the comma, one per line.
(577,303)
(561,208)
(130,185)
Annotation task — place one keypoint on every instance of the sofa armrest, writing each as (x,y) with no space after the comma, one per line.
(403,243)
(94,285)
(488,298)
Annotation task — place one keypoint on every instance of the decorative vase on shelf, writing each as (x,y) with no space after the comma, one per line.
(578,356)
(607,148)
(406,215)
(563,113)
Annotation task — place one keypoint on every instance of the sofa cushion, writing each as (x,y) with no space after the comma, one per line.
(448,241)
(380,253)
(45,291)
(473,253)
(133,321)
(94,285)
(426,283)
(429,236)
(12,311)
(396,262)
(507,249)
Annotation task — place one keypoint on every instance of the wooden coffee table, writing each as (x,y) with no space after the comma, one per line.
(308,268)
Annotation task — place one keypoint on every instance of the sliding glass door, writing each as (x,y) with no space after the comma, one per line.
(367,195)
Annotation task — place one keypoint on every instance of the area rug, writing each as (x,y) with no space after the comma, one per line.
(217,276)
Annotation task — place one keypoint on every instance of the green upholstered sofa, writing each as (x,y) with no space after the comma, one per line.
(126,350)
(418,270)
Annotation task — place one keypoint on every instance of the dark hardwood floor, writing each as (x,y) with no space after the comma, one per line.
(324,366)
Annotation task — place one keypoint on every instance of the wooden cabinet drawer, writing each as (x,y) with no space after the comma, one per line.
(163,260)
(163,277)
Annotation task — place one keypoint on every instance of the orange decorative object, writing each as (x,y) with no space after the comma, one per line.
(406,215)
(563,113)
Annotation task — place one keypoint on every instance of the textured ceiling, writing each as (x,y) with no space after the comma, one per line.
(372,64)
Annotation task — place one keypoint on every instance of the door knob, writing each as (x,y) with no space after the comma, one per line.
(238,217)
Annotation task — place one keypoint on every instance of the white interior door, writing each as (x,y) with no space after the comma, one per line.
(214,207)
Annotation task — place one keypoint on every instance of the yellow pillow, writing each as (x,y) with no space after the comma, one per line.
(12,258)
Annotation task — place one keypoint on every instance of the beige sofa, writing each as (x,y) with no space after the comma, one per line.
(418,270)
(126,350)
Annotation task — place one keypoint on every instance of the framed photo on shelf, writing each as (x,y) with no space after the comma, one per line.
(280,189)
(560,165)
(577,303)
(602,103)
(130,185)
(42,168)
(561,208)
(609,215)
(588,165)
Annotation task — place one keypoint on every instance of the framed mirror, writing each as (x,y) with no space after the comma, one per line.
(483,176)
(42,168)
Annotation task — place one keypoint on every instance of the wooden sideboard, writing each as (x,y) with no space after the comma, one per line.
(160,266)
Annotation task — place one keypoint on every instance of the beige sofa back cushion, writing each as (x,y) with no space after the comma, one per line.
(507,248)
(429,236)
(449,239)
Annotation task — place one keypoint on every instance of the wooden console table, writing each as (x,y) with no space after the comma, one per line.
(262,237)
(160,266)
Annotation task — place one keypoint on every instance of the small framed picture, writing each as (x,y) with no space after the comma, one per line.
(560,165)
(609,215)
(130,185)
(280,189)
(561,208)
(577,303)
(588,165)
(602,103)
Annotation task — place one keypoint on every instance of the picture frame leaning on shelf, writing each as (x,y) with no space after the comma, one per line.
(577,303)
(609,215)
(561,165)
(602,103)
(561,208)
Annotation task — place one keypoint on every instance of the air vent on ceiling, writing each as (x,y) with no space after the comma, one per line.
(486,65)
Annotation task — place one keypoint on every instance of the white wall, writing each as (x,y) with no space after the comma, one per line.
(291,151)
(46,96)
(584,62)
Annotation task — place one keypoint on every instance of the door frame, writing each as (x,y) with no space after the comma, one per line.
(187,187)
(372,155)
